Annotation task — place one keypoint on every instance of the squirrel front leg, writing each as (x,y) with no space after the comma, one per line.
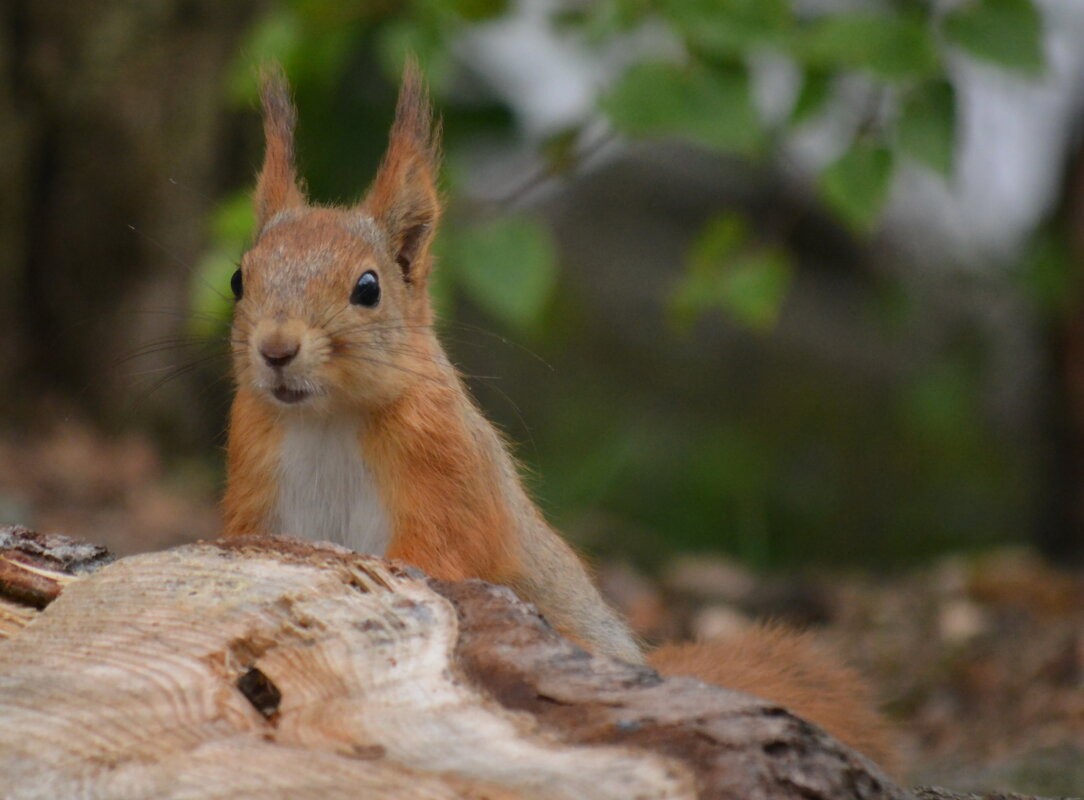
(550,575)
(557,581)
(459,511)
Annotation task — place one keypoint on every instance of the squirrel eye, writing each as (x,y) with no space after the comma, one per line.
(237,285)
(367,291)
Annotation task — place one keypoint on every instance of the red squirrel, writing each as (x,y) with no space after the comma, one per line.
(349,423)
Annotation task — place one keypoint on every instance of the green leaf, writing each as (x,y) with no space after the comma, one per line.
(754,287)
(233,220)
(312,47)
(855,186)
(1048,274)
(728,29)
(927,126)
(1006,32)
(560,152)
(813,96)
(720,238)
(276,37)
(211,302)
(406,36)
(888,46)
(746,280)
(940,404)
(477,10)
(712,107)
(508,267)
(598,22)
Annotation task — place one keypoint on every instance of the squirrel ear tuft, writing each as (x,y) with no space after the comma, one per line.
(403,198)
(277,187)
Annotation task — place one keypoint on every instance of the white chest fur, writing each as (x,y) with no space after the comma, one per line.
(326,491)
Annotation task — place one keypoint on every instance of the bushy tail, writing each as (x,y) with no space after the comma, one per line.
(784,667)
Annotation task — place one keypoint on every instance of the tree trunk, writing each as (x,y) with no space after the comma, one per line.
(218,668)
(278,668)
(110,128)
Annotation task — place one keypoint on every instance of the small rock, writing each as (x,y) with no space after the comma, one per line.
(960,620)
(718,622)
(638,599)
(709,578)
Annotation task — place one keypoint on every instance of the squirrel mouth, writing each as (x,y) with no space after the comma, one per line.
(284,394)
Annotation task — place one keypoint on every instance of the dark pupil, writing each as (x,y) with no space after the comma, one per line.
(367,290)
(237,284)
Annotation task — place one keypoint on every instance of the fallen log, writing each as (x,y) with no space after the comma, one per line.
(274,667)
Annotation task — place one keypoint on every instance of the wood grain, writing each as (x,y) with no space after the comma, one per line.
(273,667)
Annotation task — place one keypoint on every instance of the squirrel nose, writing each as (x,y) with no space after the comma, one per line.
(278,353)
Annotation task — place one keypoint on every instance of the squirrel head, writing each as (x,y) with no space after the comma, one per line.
(332,305)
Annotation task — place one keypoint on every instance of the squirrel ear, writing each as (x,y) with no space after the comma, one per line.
(403,199)
(277,187)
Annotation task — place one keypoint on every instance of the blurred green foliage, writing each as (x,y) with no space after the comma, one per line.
(507,265)
(1003,32)
(727,271)
(711,105)
(705,96)
(212,301)
(777,483)
(927,125)
(855,186)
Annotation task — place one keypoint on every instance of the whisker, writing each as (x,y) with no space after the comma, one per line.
(176,259)
(187,187)
(165,346)
(502,339)
(380,328)
(392,365)
(431,358)
(519,415)
(156,370)
(177,372)
(463,326)
(180,314)
(421,355)
(404,350)
(188,267)
(324,323)
(191,362)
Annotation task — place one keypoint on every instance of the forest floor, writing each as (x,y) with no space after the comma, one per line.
(978,658)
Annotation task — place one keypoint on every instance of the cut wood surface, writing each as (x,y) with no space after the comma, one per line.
(260,667)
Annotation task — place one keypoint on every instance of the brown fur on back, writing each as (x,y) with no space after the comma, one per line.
(785,667)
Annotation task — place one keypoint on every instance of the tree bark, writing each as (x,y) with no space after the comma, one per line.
(1059,534)
(111,120)
(278,668)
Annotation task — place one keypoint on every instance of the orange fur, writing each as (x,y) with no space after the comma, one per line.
(447,512)
(277,188)
(404,195)
(250,465)
(447,489)
(786,668)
